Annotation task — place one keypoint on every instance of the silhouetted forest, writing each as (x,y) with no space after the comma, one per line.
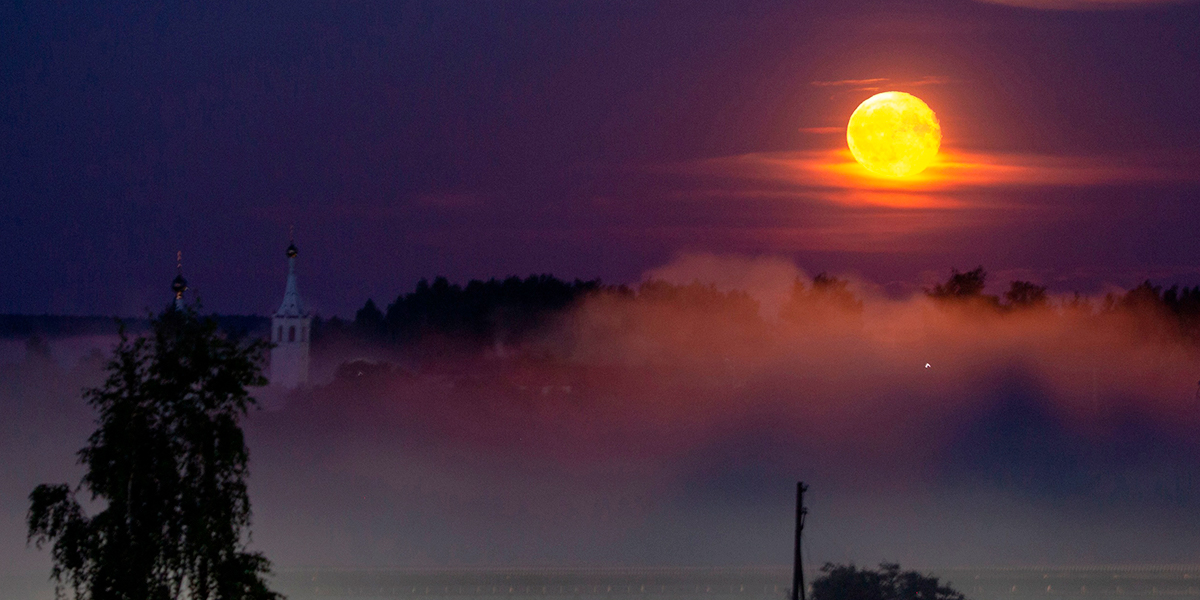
(1176,307)
(55,326)
(23,326)
(480,312)
(507,311)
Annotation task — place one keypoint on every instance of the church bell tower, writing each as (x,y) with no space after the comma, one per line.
(290,328)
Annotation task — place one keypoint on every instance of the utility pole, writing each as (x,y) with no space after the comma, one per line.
(797,564)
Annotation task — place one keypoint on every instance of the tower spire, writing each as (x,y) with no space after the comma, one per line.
(292,305)
(179,284)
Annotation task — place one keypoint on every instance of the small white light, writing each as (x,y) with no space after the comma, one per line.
(926,365)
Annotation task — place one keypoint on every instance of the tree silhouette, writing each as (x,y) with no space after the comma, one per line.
(1024,294)
(483,311)
(1146,297)
(168,460)
(846,582)
(368,321)
(961,286)
(828,299)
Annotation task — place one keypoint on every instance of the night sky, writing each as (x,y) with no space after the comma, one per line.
(585,139)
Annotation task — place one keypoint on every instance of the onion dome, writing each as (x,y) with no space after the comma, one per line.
(179,286)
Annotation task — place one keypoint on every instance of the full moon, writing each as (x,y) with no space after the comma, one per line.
(894,134)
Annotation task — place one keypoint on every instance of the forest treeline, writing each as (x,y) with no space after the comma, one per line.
(61,326)
(1181,305)
(507,310)
(483,313)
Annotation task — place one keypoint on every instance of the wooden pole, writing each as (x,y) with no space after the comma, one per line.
(798,564)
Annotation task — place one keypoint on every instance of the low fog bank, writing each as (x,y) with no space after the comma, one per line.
(666,424)
(43,422)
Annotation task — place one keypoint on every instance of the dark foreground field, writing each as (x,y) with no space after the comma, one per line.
(755,583)
(725,584)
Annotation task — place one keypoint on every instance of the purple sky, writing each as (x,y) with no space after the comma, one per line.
(586,139)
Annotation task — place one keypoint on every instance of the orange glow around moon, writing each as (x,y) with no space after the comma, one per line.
(894,134)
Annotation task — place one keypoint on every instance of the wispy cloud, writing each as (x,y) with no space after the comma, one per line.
(850,82)
(880,83)
(823,130)
(834,175)
(969,201)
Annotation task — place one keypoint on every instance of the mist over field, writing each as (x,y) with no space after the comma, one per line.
(667,425)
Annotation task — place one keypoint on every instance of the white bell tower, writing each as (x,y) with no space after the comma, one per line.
(290,328)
